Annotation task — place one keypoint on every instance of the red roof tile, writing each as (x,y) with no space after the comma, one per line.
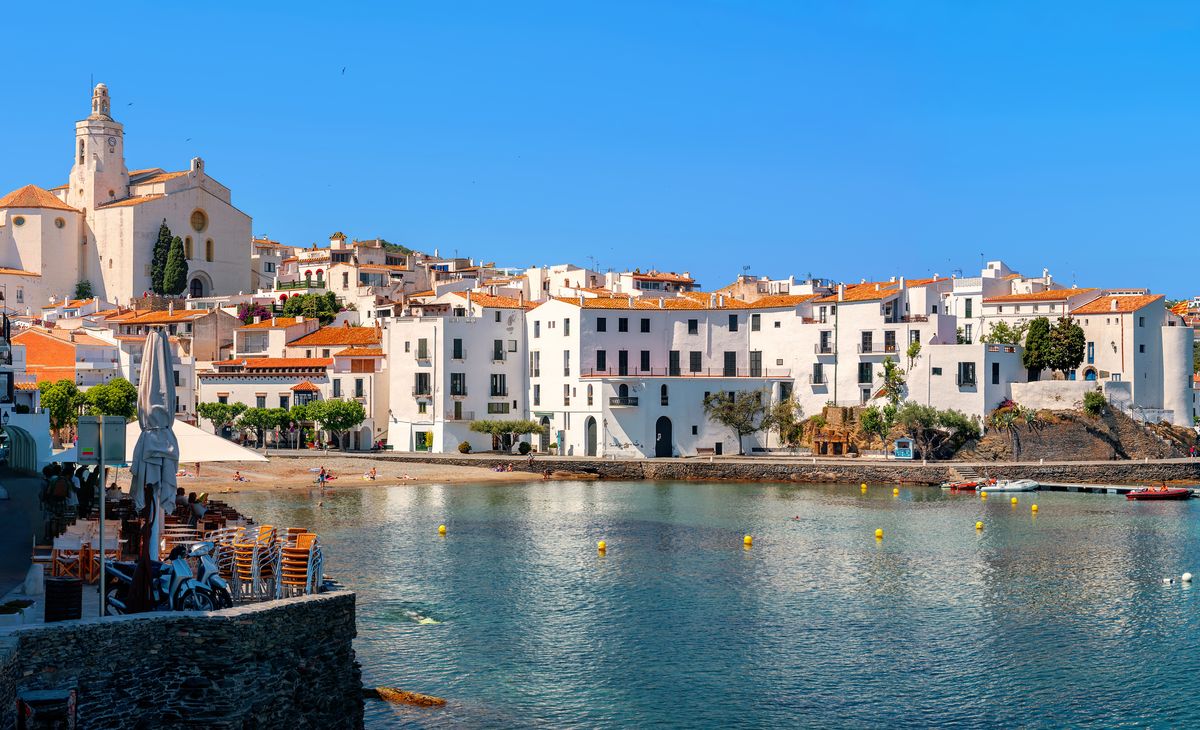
(31,196)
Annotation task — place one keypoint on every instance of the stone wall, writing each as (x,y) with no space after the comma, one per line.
(286,663)
(852,471)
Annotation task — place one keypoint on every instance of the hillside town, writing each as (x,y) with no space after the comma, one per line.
(613,364)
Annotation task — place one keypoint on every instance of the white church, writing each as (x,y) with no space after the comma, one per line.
(102,225)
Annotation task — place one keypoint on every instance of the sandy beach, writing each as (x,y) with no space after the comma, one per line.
(292,473)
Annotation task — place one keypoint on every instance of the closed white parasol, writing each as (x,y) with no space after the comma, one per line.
(156,455)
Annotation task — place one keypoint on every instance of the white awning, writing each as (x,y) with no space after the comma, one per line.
(196,445)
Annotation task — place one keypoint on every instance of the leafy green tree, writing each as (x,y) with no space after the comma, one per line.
(261,420)
(894,386)
(61,400)
(878,422)
(935,430)
(497,429)
(913,352)
(323,307)
(337,416)
(1036,356)
(158,258)
(1002,333)
(117,397)
(220,415)
(1067,343)
(786,418)
(741,412)
(175,273)
(83,289)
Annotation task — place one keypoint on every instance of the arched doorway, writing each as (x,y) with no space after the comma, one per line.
(589,431)
(544,436)
(662,437)
(1089,374)
(199,286)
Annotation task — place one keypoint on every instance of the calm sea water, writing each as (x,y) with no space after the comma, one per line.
(1056,620)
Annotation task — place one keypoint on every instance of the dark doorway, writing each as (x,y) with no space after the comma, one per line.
(662,438)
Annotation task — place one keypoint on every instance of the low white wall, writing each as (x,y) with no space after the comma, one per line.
(1055,395)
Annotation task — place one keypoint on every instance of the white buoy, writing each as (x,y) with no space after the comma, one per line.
(1168,581)
(1186,577)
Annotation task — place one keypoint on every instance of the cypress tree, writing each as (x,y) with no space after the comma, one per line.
(158,260)
(175,273)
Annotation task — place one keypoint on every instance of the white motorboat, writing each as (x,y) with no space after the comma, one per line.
(1011,485)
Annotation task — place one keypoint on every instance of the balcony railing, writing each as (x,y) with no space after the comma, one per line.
(498,393)
(464,416)
(871,348)
(460,355)
(618,401)
(458,392)
(674,373)
(302,284)
(826,349)
(816,379)
(421,391)
(914,318)
(965,381)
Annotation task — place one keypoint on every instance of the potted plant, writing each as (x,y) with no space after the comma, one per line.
(12,613)
(554,447)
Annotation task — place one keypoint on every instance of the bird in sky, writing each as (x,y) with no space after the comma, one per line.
(343,70)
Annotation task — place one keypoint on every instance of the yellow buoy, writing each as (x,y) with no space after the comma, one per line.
(1014,500)
(441,529)
(864,487)
(895,491)
(747,541)
(879,534)
(601,546)
(1033,508)
(978,525)
(983,495)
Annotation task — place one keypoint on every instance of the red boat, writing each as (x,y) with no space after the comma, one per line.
(1160,493)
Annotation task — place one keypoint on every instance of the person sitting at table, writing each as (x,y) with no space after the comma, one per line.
(197,508)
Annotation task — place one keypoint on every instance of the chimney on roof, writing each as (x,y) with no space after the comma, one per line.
(876,286)
(258,318)
(661,303)
(274,321)
(892,280)
(720,300)
(841,292)
(712,301)
(468,302)
(170,308)
(521,299)
(901,282)
(580,300)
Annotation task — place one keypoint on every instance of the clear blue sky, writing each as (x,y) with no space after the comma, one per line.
(843,139)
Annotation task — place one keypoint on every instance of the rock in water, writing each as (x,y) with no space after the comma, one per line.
(391,694)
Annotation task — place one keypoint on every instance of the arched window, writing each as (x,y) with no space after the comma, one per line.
(320,275)
(187,248)
(589,395)
(81,147)
(662,392)
(623,391)
(208,250)
(197,288)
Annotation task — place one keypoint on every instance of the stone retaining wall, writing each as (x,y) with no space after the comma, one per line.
(846,471)
(286,663)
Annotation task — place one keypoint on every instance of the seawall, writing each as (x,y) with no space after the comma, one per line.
(756,469)
(287,663)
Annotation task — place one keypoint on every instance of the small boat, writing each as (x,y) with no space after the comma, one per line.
(1011,485)
(962,486)
(1160,493)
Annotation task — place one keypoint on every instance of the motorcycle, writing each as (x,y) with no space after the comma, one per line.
(209,576)
(172,588)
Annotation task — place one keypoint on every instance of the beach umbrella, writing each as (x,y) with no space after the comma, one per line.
(195,445)
(156,455)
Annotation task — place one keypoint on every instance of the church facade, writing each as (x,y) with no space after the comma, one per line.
(102,225)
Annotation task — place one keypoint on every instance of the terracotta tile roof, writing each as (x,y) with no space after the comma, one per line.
(494,302)
(925,282)
(128,202)
(160,177)
(1050,295)
(865,292)
(18,272)
(664,276)
(165,317)
(265,242)
(306,387)
(145,171)
(360,352)
(273,323)
(384,267)
(1010,277)
(76,303)
(426,293)
(783,300)
(26,386)
(1126,303)
(347,336)
(276,363)
(31,196)
(1180,308)
(58,187)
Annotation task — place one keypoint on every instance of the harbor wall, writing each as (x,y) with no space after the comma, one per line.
(287,663)
(804,470)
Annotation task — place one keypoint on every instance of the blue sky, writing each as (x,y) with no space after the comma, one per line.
(845,140)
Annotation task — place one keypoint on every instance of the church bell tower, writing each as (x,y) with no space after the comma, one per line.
(98,175)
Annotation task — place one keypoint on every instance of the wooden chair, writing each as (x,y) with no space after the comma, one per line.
(67,557)
(298,564)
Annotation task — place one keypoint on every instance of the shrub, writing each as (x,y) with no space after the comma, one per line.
(524,448)
(1093,403)
(464,447)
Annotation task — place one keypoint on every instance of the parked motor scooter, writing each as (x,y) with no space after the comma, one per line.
(208,575)
(172,587)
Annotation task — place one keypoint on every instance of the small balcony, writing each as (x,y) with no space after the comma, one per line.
(463,416)
(818,379)
(498,393)
(625,401)
(459,356)
(827,348)
(301,284)
(458,393)
(867,348)
(421,391)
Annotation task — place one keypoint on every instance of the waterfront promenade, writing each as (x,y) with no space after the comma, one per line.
(798,468)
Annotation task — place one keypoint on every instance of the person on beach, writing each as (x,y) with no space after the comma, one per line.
(197,469)
(237,476)
(371,474)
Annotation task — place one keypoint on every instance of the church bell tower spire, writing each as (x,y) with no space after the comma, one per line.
(99,175)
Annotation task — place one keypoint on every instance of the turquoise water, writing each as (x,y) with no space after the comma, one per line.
(1054,620)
